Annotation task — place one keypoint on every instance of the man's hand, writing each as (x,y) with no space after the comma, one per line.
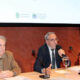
(6,74)
(61,51)
(47,70)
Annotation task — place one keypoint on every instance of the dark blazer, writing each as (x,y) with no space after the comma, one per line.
(43,58)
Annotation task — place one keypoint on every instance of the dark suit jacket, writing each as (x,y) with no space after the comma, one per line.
(43,59)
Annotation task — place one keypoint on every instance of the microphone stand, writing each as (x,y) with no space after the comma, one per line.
(46,75)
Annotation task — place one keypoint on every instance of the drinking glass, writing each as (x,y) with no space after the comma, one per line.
(66,61)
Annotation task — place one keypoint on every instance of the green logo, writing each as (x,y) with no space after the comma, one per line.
(17,15)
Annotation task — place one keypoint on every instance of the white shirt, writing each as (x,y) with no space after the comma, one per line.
(50,51)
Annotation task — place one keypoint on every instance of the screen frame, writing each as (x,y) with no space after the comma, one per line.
(38,25)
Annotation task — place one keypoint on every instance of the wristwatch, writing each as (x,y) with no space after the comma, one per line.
(14,73)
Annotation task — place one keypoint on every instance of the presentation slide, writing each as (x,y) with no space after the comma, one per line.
(40,11)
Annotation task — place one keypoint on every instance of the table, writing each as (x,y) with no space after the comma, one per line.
(56,73)
(67,74)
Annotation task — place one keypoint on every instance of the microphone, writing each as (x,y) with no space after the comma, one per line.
(70,48)
(63,55)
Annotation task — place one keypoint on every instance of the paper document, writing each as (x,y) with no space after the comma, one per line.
(60,78)
(61,71)
(17,78)
(75,68)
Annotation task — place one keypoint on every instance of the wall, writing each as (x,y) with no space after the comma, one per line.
(22,40)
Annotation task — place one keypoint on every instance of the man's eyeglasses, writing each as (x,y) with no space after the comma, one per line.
(53,39)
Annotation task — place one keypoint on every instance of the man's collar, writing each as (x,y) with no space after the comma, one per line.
(50,47)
